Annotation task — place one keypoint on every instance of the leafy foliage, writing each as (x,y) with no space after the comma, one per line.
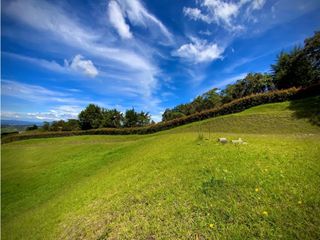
(91,117)
(293,70)
(207,100)
(31,128)
(312,50)
(253,83)
(111,118)
(300,67)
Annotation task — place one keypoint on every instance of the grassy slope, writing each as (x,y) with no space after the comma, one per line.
(169,185)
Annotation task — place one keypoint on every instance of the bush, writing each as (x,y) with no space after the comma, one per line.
(229,108)
(31,128)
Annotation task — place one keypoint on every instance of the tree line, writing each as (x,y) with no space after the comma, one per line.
(93,117)
(297,68)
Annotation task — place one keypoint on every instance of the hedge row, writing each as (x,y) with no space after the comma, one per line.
(232,107)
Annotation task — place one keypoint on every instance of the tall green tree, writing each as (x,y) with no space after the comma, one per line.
(130,118)
(170,114)
(71,125)
(252,83)
(211,99)
(135,119)
(294,69)
(33,127)
(91,117)
(46,126)
(111,118)
(57,125)
(312,50)
(143,119)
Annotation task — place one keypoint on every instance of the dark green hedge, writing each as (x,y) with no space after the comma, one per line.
(232,107)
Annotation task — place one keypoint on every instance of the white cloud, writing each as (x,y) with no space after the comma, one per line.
(50,18)
(45,16)
(134,62)
(206,33)
(35,93)
(199,51)
(258,4)
(224,13)
(50,65)
(62,112)
(117,20)
(140,16)
(196,14)
(78,63)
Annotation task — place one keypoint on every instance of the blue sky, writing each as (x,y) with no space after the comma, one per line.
(59,56)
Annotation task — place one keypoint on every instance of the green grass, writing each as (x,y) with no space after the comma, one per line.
(170,185)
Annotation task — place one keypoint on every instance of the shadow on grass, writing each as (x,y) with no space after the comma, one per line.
(308,108)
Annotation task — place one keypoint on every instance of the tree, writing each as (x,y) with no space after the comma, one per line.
(171,114)
(196,105)
(294,69)
(253,83)
(211,99)
(312,50)
(111,118)
(90,117)
(130,118)
(143,119)
(312,54)
(46,126)
(71,125)
(135,119)
(57,125)
(33,127)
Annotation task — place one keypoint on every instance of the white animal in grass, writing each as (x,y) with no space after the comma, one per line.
(222,140)
(239,141)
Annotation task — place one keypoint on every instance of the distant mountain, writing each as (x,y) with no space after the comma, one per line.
(19,122)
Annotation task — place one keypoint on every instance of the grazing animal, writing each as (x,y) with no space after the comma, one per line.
(239,141)
(222,140)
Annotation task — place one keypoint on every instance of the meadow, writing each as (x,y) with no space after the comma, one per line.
(175,184)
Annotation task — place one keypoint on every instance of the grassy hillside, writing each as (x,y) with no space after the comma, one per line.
(279,118)
(170,185)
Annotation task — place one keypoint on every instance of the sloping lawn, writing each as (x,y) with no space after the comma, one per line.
(170,185)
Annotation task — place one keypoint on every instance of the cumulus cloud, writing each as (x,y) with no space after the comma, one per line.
(118,21)
(196,14)
(199,51)
(223,13)
(78,63)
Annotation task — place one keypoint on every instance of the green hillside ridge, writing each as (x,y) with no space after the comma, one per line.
(283,117)
(171,185)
